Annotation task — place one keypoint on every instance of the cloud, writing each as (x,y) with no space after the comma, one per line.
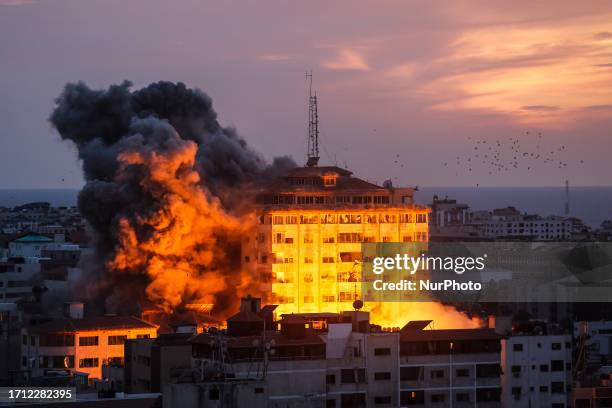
(347,59)
(531,65)
(273,57)
(16,2)
(604,35)
(540,108)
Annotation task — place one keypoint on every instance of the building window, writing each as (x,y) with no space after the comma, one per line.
(88,362)
(350,219)
(556,365)
(328,219)
(421,218)
(143,336)
(463,372)
(307,260)
(462,397)
(405,218)
(308,238)
(543,388)
(351,376)
(328,259)
(329,240)
(412,398)
(436,374)
(330,403)
(488,394)
(517,347)
(556,387)
(88,341)
(544,368)
(213,394)
(437,398)
(330,379)
(349,237)
(56,340)
(555,346)
(382,375)
(387,218)
(382,400)
(487,370)
(386,351)
(411,373)
(258,390)
(329,298)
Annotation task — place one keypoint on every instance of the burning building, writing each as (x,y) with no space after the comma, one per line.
(306,247)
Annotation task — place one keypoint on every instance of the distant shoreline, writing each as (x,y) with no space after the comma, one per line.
(591,204)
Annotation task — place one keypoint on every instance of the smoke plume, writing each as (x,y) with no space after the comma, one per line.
(164,194)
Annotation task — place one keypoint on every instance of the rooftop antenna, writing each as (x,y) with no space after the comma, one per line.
(313,125)
(567,198)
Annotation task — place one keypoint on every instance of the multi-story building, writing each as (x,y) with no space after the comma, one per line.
(536,370)
(79,344)
(449,368)
(339,360)
(596,340)
(452,221)
(312,223)
(509,223)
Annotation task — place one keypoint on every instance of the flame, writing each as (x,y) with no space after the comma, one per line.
(180,245)
(397,314)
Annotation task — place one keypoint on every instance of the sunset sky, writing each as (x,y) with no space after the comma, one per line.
(418,79)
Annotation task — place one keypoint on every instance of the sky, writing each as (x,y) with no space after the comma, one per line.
(404,87)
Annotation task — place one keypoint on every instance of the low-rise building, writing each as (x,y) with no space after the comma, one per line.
(441,368)
(80,344)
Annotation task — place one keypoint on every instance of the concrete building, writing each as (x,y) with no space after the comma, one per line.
(449,368)
(596,339)
(452,221)
(151,363)
(536,370)
(312,223)
(510,223)
(339,360)
(80,344)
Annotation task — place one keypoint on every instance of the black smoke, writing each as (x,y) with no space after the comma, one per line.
(104,123)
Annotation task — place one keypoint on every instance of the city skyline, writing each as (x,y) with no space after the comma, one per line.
(394,79)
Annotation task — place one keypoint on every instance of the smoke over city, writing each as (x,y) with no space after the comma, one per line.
(165,184)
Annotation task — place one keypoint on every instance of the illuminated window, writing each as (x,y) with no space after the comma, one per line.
(88,362)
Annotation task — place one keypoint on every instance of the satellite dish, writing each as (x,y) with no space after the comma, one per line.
(358,304)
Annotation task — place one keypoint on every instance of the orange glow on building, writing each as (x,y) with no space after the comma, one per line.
(306,250)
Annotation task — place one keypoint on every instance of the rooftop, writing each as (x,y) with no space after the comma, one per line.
(448,334)
(93,324)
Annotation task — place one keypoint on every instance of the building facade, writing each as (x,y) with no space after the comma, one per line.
(537,370)
(80,344)
(311,223)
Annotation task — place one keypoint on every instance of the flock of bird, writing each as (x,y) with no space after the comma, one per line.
(508,154)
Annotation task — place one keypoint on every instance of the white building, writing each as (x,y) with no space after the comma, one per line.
(536,371)
(509,223)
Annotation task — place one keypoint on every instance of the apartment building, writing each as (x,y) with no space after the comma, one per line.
(449,368)
(510,223)
(312,223)
(536,370)
(339,360)
(79,344)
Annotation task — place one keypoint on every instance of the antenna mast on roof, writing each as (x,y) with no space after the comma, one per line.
(313,125)
(567,198)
